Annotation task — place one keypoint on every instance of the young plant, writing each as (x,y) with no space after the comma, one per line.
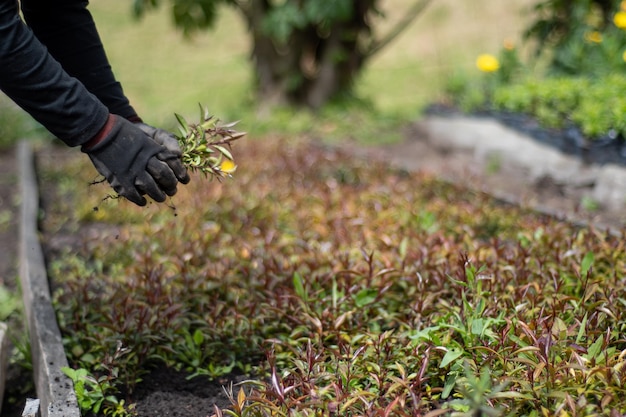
(206,145)
(91,392)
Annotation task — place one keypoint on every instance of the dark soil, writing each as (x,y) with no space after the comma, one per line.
(165,392)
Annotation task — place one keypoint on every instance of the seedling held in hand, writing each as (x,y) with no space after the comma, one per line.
(206,145)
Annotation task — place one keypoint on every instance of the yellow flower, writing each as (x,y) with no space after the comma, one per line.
(509,45)
(593,37)
(487,63)
(620,19)
(227,166)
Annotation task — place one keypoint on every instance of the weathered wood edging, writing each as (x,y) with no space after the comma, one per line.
(54,389)
(4,360)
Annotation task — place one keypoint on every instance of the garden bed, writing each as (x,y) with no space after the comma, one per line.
(78,222)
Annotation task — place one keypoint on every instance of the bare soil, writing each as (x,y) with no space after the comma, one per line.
(165,392)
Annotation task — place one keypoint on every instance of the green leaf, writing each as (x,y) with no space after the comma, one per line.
(449,385)
(450,356)
(365,296)
(298,286)
(586,264)
(224,152)
(335,293)
(183,124)
(429,334)
(402,249)
(582,329)
(512,394)
(198,337)
(478,327)
(596,348)
(71,373)
(203,112)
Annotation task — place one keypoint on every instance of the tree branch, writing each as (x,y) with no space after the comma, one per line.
(414,11)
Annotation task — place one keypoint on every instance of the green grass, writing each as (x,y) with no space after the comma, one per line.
(163,73)
(415,70)
(15,124)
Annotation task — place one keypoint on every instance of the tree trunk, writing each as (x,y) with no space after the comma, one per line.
(312,66)
(313,56)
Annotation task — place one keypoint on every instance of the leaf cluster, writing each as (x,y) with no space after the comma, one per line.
(345,287)
(582,85)
(284,18)
(206,145)
(189,15)
(596,106)
(561,29)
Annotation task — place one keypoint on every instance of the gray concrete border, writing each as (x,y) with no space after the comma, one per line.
(54,389)
(487,138)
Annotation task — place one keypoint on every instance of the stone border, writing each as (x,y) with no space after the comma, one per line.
(54,389)
(487,138)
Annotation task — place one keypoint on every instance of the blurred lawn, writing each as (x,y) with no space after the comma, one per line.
(163,73)
(444,41)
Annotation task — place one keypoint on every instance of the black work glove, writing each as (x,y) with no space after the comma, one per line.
(173,155)
(132,162)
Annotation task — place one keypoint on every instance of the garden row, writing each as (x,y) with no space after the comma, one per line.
(342,286)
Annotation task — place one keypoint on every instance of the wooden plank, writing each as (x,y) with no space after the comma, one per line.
(32,408)
(4,360)
(54,389)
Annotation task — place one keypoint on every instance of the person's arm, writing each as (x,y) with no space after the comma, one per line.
(38,83)
(132,162)
(68,30)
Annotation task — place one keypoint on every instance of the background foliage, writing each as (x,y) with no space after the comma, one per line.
(304,53)
(575,78)
(578,37)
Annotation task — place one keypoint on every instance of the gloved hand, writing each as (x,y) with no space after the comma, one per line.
(132,162)
(173,155)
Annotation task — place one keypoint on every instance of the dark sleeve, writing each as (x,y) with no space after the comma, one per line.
(38,84)
(68,30)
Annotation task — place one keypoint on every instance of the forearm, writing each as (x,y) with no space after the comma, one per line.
(68,30)
(38,84)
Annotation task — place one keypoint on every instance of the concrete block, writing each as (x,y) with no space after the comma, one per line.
(610,188)
(4,360)
(32,408)
(54,389)
(489,139)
